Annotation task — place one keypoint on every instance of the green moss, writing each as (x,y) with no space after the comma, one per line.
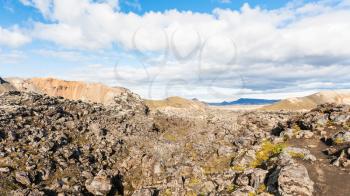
(251,194)
(261,189)
(238,168)
(347,125)
(296,129)
(191,193)
(167,192)
(338,140)
(170,137)
(267,151)
(231,188)
(296,155)
(330,123)
(194,181)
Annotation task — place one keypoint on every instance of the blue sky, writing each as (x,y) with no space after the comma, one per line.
(213,50)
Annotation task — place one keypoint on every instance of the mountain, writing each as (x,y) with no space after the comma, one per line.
(88,92)
(311,101)
(175,102)
(73,90)
(5,86)
(245,101)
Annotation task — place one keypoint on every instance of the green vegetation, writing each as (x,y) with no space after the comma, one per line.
(296,155)
(330,123)
(261,189)
(267,151)
(167,192)
(170,137)
(338,140)
(191,194)
(251,194)
(231,188)
(296,129)
(194,181)
(238,168)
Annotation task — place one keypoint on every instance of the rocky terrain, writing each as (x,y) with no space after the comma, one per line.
(56,146)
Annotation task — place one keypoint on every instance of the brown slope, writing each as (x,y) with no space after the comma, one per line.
(311,101)
(73,90)
(175,102)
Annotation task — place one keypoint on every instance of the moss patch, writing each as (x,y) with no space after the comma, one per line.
(170,137)
(231,188)
(261,189)
(296,129)
(194,181)
(296,155)
(238,168)
(267,151)
(338,140)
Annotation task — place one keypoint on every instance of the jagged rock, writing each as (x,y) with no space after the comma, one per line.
(291,180)
(245,159)
(305,134)
(145,192)
(253,177)
(4,170)
(99,185)
(339,117)
(341,137)
(299,153)
(61,144)
(2,81)
(28,192)
(244,191)
(342,160)
(208,187)
(23,178)
(287,134)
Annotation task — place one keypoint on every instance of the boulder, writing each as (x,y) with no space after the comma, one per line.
(23,178)
(301,153)
(341,137)
(292,179)
(99,185)
(244,191)
(145,192)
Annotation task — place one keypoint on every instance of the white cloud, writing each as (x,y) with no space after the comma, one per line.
(13,37)
(11,57)
(275,51)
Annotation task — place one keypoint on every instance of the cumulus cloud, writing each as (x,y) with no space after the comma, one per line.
(13,37)
(11,57)
(273,51)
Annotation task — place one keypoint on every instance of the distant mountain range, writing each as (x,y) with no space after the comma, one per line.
(245,101)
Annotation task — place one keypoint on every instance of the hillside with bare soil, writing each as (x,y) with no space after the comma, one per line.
(73,90)
(312,101)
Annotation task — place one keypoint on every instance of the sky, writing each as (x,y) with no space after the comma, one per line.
(213,50)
